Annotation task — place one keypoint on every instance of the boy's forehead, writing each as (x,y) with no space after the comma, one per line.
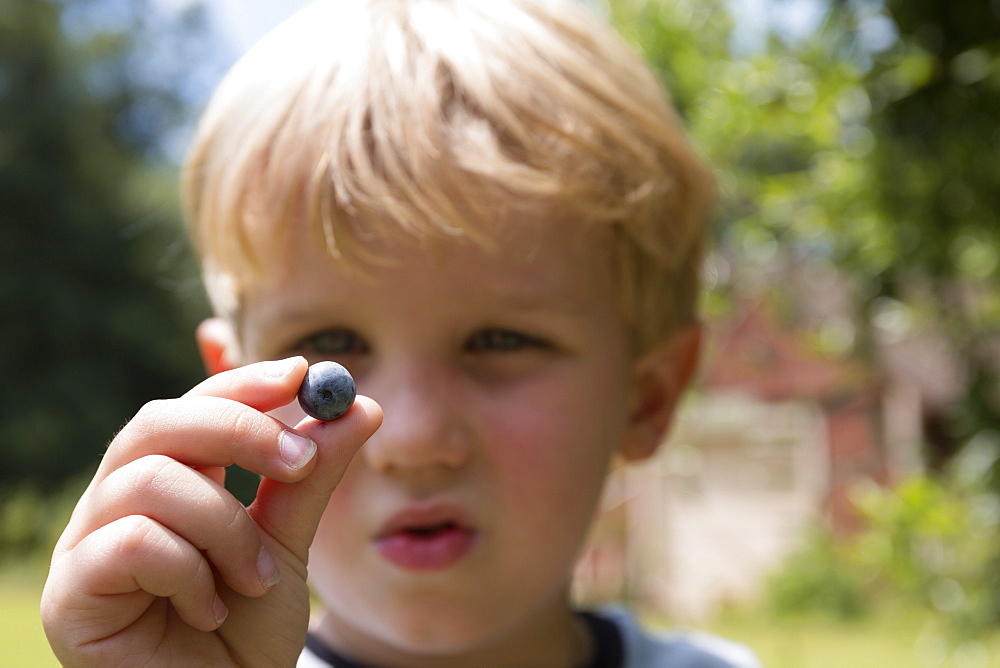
(529,264)
(520,236)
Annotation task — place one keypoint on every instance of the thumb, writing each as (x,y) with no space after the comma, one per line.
(290,512)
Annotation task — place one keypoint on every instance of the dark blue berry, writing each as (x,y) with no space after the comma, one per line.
(327,391)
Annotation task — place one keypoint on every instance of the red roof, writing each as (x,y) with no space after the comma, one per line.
(754,351)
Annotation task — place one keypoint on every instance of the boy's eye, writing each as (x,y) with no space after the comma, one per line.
(332,343)
(500,340)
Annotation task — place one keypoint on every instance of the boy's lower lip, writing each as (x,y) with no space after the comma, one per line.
(426,552)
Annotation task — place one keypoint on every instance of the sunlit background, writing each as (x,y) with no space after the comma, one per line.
(830,494)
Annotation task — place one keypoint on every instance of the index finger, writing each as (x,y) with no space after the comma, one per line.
(221,421)
(262,385)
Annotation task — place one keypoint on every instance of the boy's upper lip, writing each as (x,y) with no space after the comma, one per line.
(423,515)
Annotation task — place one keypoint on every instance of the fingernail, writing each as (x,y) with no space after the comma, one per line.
(267,570)
(278,369)
(296,450)
(220,610)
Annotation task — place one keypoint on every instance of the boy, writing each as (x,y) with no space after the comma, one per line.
(486,210)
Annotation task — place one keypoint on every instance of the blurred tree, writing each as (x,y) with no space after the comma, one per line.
(100,297)
(864,146)
(865,143)
(936,94)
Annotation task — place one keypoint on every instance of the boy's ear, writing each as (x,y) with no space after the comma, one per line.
(217,343)
(659,379)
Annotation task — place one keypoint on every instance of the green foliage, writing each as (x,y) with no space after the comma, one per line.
(98,314)
(816,579)
(31,521)
(927,544)
(868,145)
(867,148)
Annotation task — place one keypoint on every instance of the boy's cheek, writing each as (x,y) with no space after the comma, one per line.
(533,444)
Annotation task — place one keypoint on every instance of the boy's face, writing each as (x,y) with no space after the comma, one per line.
(506,386)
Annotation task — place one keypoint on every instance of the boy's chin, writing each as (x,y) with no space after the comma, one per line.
(433,633)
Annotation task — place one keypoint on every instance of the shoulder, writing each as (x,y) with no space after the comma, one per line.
(680,649)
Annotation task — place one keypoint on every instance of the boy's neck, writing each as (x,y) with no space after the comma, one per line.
(555,637)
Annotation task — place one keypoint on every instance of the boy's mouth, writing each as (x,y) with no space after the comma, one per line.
(429,531)
(426,538)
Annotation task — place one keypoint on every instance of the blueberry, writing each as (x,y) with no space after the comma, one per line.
(327,391)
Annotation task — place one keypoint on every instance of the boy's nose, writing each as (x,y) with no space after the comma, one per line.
(422,427)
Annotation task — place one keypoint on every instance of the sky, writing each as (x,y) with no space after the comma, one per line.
(242,22)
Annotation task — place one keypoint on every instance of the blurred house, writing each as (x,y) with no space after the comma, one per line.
(771,442)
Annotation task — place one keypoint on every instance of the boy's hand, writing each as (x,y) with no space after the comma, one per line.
(160,564)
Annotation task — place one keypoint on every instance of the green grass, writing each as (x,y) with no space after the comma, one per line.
(22,641)
(886,641)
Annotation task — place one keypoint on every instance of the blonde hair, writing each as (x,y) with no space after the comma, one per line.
(421,118)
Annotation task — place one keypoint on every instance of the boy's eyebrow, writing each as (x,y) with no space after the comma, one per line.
(276,317)
(517,300)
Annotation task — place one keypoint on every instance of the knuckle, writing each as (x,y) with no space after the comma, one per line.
(152,475)
(238,521)
(138,537)
(148,420)
(152,411)
(236,534)
(162,562)
(243,425)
